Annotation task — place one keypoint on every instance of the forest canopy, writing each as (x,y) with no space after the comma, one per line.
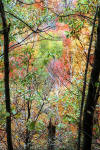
(49,75)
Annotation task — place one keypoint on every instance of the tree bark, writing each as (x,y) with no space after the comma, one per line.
(6,29)
(27,131)
(51,136)
(84,84)
(92,94)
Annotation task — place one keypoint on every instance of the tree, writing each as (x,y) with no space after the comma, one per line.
(93,94)
(51,136)
(6,29)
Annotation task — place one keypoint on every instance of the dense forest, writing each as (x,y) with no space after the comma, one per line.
(49,74)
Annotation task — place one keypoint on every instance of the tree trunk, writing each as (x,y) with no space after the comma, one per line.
(51,136)
(92,96)
(27,131)
(27,139)
(85,81)
(6,29)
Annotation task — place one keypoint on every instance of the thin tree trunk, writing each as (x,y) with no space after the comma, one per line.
(84,85)
(92,92)
(27,131)
(27,141)
(6,29)
(51,136)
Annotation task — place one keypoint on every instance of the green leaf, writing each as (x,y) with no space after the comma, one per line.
(31,125)
(13,112)
(7,114)
(61,125)
(97,84)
